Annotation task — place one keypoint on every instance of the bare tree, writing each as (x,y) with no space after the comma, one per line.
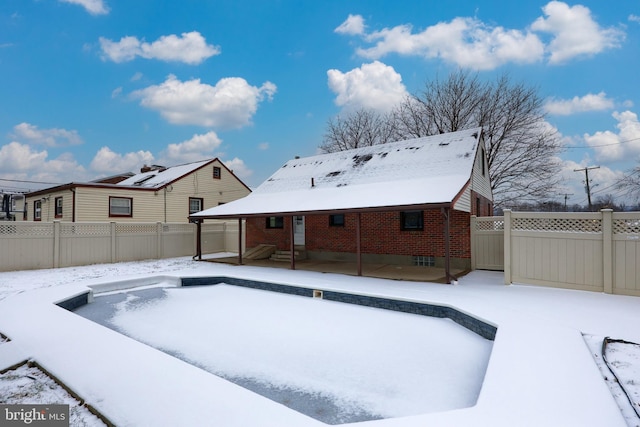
(361,128)
(629,185)
(521,147)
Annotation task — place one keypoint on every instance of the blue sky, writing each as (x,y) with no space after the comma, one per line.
(92,88)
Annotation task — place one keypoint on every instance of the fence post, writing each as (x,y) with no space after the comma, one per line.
(474,237)
(158,240)
(607,250)
(114,255)
(56,244)
(507,246)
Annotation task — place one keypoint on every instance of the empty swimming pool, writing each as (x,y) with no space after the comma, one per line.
(332,361)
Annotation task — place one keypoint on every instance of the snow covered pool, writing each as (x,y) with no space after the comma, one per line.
(332,361)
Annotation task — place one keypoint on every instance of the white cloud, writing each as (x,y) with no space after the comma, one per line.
(53,137)
(263,146)
(611,146)
(353,25)
(137,76)
(634,18)
(116,92)
(190,48)
(238,167)
(588,102)
(21,161)
(107,161)
(199,147)
(94,7)
(373,86)
(231,103)
(470,43)
(466,42)
(574,31)
(16,157)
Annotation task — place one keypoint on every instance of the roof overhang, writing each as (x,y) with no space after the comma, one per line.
(396,208)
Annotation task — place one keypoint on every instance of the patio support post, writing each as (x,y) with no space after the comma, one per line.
(292,244)
(240,241)
(199,239)
(447,249)
(358,247)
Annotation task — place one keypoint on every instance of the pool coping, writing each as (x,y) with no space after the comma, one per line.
(520,384)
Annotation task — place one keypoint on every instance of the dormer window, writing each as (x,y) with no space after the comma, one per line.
(217,172)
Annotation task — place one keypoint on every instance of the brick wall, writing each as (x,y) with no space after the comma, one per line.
(381,233)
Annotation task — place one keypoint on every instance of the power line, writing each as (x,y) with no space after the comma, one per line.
(601,145)
(29,182)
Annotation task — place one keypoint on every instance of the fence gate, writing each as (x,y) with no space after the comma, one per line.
(487,243)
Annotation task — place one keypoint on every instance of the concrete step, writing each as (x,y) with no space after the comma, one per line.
(286,255)
(260,252)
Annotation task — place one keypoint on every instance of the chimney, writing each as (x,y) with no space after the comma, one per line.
(145,168)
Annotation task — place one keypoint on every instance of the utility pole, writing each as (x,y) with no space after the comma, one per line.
(587,187)
(566,196)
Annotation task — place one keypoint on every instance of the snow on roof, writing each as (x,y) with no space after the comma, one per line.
(429,170)
(159,177)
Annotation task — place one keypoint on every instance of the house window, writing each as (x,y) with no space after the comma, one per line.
(336,220)
(37,210)
(195,205)
(412,220)
(484,171)
(120,206)
(216,172)
(58,207)
(275,222)
(24,212)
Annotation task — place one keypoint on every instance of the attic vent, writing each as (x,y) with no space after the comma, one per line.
(443,143)
(332,174)
(360,160)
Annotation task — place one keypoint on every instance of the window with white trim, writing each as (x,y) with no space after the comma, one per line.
(120,206)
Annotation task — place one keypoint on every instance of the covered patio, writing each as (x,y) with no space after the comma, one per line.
(382,271)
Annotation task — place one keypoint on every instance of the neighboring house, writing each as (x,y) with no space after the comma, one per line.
(12,206)
(156,194)
(407,202)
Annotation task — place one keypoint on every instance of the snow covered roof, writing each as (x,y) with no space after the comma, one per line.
(159,177)
(422,171)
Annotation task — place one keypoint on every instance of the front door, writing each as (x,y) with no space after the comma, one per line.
(298,230)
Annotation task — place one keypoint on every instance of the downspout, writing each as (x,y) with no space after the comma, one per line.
(73,205)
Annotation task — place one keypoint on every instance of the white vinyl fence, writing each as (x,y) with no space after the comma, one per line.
(34,245)
(587,251)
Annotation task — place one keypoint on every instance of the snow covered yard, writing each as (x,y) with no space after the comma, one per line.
(541,370)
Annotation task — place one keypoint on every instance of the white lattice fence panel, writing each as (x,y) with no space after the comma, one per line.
(82,229)
(626,226)
(566,225)
(26,229)
(136,228)
(489,224)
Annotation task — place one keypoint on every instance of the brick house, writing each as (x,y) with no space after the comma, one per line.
(408,202)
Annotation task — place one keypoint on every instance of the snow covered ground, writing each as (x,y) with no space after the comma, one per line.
(541,370)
